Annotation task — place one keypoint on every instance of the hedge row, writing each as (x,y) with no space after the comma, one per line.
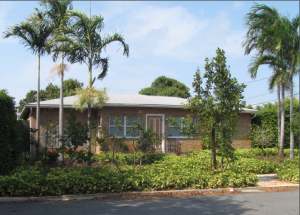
(106,179)
(250,153)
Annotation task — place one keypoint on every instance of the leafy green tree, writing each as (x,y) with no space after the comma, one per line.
(83,44)
(51,92)
(217,106)
(70,86)
(268,116)
(163,86)
(9,135)
(276,38)
(34,34)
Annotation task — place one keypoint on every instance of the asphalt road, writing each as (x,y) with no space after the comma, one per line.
(268,203)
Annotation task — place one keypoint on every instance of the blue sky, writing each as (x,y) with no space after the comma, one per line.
(168,38)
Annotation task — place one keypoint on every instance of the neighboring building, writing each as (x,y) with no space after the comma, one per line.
(154,111)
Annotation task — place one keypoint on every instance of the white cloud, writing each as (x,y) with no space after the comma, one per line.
(238,4)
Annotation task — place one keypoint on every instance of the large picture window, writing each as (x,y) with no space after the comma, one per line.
(120,126)
(175,132)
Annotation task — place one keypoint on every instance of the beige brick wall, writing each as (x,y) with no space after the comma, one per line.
(240,140)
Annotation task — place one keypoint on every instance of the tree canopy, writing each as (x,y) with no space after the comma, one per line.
(164,86)
(51,92)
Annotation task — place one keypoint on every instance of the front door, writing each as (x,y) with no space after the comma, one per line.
(155,122)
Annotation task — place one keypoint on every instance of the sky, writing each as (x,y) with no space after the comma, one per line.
(166,38)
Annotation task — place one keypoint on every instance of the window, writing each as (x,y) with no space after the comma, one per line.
(126,122)
(175,132)
(51,137)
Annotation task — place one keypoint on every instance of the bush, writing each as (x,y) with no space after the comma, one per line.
(172,172)
(9,135)
(291,175)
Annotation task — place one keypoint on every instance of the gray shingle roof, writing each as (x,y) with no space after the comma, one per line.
(137,100)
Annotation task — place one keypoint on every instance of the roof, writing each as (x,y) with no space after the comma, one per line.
(118,100)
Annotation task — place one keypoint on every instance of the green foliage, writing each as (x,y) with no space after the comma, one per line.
(163,86)
(51,92)
(172,172)
(217,105)
(291,175)
(268,117)
(24,135)
(253,165)
(9,135)
(289,170)
(261,137)
(90,96)
(127,158)
(75,135)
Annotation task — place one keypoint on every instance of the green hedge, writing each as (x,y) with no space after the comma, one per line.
(251,153)
(127,158)
(291,175)
(107,179)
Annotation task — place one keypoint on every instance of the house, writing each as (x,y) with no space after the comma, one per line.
(154,112)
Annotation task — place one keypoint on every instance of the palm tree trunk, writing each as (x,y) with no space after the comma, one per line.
(38,108)
(89,115)
(278,113)
(281,148)
(292,141)
(61,111)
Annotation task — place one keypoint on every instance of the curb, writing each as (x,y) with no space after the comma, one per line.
(99,195)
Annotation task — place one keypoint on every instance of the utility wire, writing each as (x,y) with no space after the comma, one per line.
(266,93)
(256,80)
(275,99)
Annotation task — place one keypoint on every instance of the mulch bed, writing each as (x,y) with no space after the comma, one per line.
(279,189)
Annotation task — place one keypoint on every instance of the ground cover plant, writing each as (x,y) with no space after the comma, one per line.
(161,172)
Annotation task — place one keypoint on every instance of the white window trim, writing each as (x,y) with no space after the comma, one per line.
(125,126)
(163,145)
(181,125)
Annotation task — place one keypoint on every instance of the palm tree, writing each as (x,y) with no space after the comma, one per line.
(271,35)
(56,11)
(34,34)
(83,44)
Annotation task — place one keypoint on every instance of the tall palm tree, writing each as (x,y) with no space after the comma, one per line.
(34,34)
(83,44)
(270,34)
(56,11)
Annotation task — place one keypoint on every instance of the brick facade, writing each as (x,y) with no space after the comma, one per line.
(241,140)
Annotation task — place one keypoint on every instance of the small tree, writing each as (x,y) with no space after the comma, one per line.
(217,106)
(261,136)
(144,140)
(75,135)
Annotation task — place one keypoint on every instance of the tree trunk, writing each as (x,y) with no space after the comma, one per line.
(281,148)
(61,112)
(292,141)
(38,108)
(213,148)
(278,113)
(299,110)
(89,116)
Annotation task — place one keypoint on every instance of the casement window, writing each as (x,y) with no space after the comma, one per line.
(175,132)
(120,126)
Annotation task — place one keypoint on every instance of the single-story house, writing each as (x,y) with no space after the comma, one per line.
(154,112)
